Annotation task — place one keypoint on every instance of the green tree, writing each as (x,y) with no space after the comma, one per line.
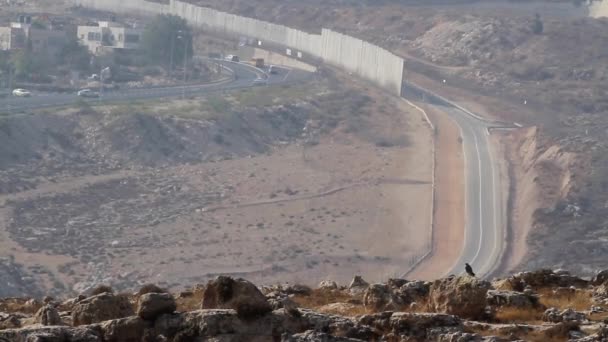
(537,26)
(167,35)
(22,63)
(75,56)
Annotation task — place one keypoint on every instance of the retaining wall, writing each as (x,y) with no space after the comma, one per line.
(366,60)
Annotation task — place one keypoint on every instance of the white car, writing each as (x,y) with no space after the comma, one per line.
(87,93)
(260,81)
(21,92)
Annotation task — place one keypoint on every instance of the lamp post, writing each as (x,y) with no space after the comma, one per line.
(185,40)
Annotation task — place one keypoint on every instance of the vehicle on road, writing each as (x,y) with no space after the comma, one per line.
(87,93)
(273,70)
(259,81)
(233,58)
(259,62)
(21,92)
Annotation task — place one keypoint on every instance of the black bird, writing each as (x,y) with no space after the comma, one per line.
(469,270)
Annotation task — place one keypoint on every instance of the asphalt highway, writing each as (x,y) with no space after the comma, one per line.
(484,219)
(239,76)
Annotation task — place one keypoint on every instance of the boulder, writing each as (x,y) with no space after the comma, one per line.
(278,300)
(542,279)
(129,329)
(48,315)
(237,294)
(10,321)
(358,285)
(101,307)
(328,285)
(150,288)
(154,304)
(377,297)
(315,336)
(511,299)
(553,315)
(52,334)
(600,278)
(461,296)
(342,309)
(412,326)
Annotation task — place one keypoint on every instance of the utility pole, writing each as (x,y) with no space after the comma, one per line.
(185,41)
(171,53)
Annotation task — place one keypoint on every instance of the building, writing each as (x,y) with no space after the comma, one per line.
(109,35)
(22,34)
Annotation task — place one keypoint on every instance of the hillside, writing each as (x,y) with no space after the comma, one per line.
(530,306)
(493,62)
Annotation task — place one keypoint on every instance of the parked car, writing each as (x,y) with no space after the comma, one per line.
(87,93)
(21,92)
(260,81)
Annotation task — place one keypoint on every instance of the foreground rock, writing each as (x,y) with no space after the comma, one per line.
(48,315)
(152,305)
(238,294)
(461,296)
(101,307)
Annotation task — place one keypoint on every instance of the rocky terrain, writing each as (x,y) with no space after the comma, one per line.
(544,305)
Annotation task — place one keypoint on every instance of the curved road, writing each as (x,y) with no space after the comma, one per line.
(242,76)
(484,218)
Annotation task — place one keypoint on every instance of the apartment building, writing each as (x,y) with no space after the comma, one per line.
(108,35)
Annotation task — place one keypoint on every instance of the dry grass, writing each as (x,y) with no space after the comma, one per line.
(519,315)
(577,300)
(190,302)
(321,297)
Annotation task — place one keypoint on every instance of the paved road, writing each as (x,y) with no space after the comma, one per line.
(484,219)
(242,76)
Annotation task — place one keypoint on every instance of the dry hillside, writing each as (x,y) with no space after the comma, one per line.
(494,61)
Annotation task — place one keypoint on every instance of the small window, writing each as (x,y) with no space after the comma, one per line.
(120,37)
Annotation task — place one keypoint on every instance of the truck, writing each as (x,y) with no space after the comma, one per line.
(259,62)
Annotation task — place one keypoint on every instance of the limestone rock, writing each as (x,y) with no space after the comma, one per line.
(153,304)
(358,285)
(461,296)
(48,315)
(101,307)
(129,329)
(238,294)
(377,296)
(600,278)
(328,285)
(412,326)
(512,299)
(553,315)
(342,309)
(315,336)
(52,334)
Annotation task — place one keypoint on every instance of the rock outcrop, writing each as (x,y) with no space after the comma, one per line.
(238,294)
(461,296)
(48,315)
(152,305)
(236,310)
(101,307)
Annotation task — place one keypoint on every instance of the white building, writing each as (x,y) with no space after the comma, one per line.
(109,35)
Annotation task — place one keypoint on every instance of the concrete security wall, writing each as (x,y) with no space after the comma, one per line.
(138,7)
(354,55)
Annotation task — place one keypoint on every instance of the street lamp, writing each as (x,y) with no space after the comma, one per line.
(183,38)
